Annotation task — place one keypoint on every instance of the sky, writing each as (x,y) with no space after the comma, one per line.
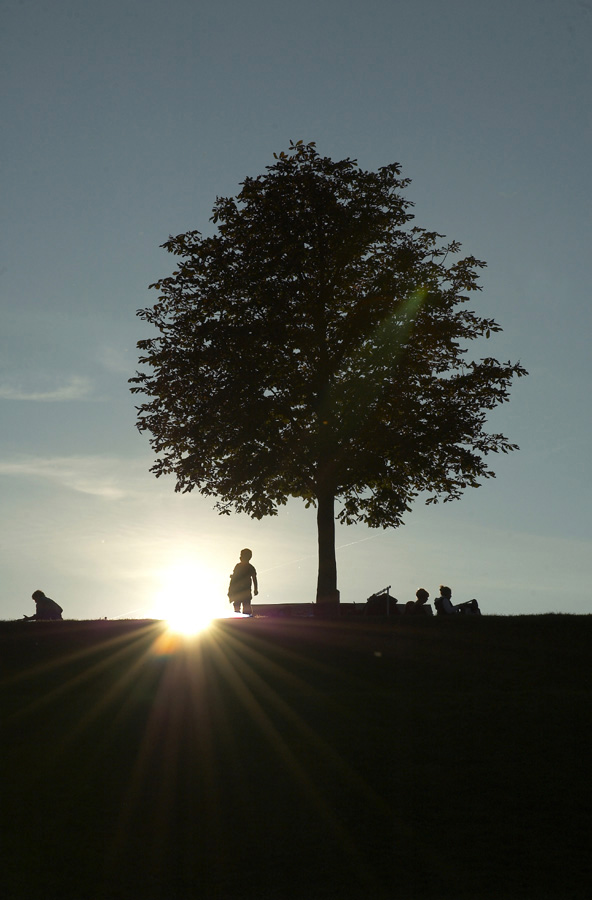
(121,123)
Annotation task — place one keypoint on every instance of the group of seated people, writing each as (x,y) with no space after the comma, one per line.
(443,604)
(383,603)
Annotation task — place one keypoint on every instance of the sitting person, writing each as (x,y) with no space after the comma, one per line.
(418,607)
(444,606)
(422,599)
(46,608)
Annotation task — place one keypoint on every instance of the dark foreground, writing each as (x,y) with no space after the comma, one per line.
(415,759)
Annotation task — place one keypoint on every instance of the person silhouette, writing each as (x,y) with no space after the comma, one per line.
(46,608)
(239,590)
(445,607)
(422,599)
(418,606)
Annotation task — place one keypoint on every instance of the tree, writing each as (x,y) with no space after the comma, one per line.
(315,346)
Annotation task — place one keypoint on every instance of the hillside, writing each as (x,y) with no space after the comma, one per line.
(297,759)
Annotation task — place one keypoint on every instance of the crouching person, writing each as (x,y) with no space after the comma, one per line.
(46,608)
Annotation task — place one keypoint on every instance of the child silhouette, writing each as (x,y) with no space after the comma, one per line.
(239,590)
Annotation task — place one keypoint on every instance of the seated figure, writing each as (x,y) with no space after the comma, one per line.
(445,607)
(420,605)
(46,608)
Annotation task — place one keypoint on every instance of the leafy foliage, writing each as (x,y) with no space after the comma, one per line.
(316,345)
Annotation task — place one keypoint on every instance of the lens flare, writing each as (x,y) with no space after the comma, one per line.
(191,596)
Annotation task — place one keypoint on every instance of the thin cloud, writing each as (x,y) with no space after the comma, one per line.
(116,360)
(97,476)
(76,388)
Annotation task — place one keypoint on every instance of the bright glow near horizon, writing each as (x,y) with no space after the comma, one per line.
(190,597)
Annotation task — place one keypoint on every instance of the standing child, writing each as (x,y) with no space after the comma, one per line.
(239,591)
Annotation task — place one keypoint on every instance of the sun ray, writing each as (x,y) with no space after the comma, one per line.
(190,597)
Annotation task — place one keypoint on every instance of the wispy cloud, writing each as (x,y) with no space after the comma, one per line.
(75,388)
(117,360)
(99,476)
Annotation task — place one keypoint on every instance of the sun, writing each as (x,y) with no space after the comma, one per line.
(190,597)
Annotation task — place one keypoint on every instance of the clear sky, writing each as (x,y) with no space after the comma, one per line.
(121,122)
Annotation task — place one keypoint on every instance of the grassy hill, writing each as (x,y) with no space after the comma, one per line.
(276,758)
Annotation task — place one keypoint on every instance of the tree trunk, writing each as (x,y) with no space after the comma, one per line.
(327,592)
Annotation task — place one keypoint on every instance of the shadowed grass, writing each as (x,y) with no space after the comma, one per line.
(297,759)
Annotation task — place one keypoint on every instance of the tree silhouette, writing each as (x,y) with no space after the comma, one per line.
(315,346)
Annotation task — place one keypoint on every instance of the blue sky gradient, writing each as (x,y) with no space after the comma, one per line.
(122,121)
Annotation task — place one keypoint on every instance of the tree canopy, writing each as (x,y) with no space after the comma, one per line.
(316,346)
